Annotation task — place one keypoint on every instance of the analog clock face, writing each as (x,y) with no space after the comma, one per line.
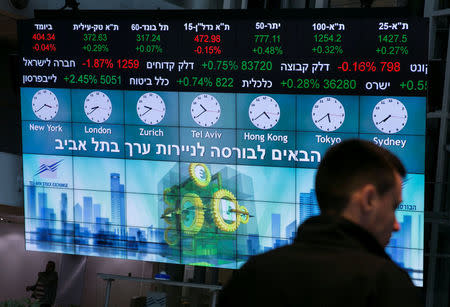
(151,108)
(205,110)
(97,107)
(264,112)
(390,115)
(328,114)
(45,104)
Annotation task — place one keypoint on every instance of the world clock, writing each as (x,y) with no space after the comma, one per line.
(151,108)
(97,107)
(205,110)
(328,114)
(264,112)
(45,104)
(390,115)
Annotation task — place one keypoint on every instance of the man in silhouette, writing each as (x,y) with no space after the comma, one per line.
(338,257)
(44,291)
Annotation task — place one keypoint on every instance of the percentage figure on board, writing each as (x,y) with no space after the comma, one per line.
(224,65)
(300,83)
(96,48)
(327,49)
(81,79)
(149,48)
(195,81)
(44,47)
(208,50)
(392,50)
(98,63)
(271,50)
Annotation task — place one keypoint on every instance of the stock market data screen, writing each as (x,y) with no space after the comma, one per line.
(194,137)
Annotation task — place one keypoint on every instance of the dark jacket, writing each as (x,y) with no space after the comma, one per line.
(45,288)
(332,262)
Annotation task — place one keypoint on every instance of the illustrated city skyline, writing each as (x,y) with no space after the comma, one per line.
(92,229)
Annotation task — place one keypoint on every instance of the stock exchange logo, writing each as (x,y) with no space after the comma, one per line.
(48,168)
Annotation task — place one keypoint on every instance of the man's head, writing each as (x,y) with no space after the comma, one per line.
(50,266)
(362,182)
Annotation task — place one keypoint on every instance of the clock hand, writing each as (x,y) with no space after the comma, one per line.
(203,107)
(266,114)
(200,113)
(146,112)
(329,118)
(149,108)
(323,117)
(46,105)
(93,109)
(40,108)
(385,119)
(260,115)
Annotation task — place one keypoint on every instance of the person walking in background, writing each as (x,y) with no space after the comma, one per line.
(44,291)
(338,257)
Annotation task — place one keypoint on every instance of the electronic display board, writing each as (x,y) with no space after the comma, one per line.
(194,137)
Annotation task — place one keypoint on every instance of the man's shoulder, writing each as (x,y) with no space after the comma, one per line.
(394,287)
(390,272)
(325,262)
(297,271)
(273,256)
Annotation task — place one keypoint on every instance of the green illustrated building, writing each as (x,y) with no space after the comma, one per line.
(202,217)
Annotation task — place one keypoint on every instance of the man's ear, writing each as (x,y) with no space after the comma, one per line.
(368,195)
